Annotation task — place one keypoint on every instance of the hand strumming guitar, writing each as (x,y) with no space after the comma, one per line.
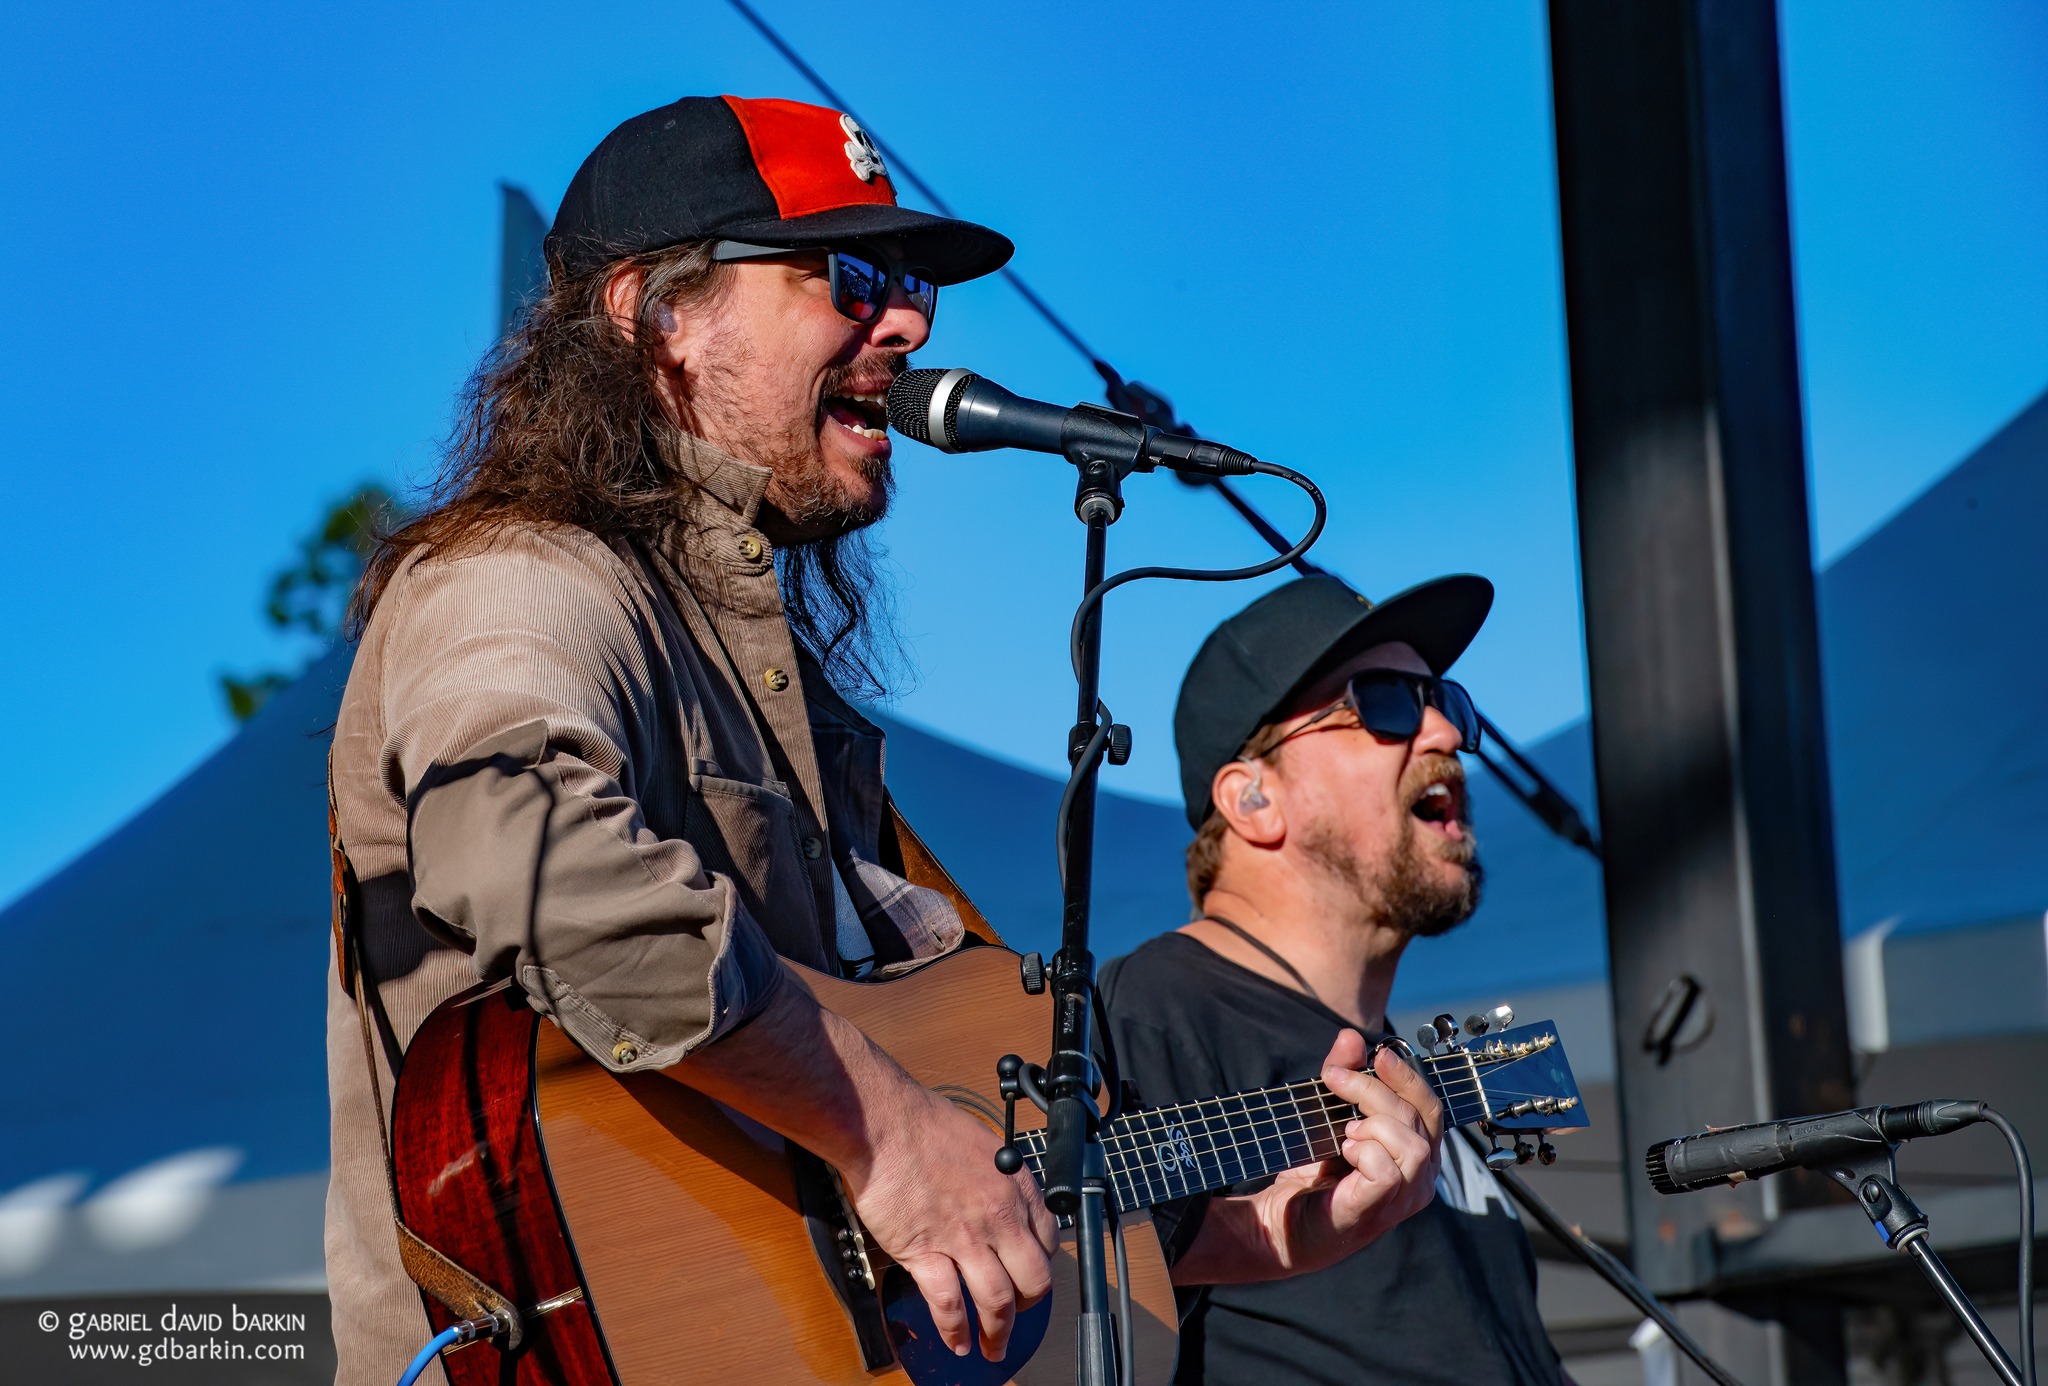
(920,1171)
(931,1195)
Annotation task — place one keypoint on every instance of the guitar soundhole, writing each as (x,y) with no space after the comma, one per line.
(924,1356)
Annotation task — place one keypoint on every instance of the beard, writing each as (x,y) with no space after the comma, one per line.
(833,592)
(1395,891)
(816,506)
(812,503)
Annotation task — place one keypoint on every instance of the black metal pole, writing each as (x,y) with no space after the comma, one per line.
(1959,1305)
(1723,934)
(1075,1168)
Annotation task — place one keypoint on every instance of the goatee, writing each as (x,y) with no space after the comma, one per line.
(1398,892)
(1420,907)
(814,504)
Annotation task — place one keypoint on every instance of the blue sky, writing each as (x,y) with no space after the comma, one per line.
(254,255)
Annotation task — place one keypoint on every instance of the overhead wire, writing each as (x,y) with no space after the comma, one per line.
(897,164)
(1550,805)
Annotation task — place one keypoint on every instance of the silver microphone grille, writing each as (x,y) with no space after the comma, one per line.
(910,404)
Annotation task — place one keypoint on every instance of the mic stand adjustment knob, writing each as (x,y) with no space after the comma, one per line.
(1009,1159)
(1015,1079)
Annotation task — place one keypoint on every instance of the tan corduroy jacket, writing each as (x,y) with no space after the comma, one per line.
(608,773)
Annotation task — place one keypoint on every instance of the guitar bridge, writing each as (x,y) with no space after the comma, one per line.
(853,1254)
(842,1251)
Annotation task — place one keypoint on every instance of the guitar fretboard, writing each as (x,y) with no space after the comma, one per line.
(1164,1153)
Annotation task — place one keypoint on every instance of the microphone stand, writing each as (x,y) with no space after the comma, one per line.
(1104,448)
(1874,1180)
(1076,1170)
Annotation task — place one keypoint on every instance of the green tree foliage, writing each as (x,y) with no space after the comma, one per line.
(309,596)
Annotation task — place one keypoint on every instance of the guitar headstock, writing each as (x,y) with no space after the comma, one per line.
(1505,1079)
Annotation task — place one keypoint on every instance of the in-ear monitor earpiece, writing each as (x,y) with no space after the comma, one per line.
(1253,797)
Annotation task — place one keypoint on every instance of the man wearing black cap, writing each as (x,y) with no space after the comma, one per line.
(1319,750)
(592,741)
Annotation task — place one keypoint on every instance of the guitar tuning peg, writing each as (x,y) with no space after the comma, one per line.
(1425,1038)
(1502,1018)
(1446,1029)
(1498,1159)
(1546,1153)
(1524,1152)
(1477,1025)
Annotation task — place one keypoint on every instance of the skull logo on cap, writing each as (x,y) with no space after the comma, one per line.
(861,152)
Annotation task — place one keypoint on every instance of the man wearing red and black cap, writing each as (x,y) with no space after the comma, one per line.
(594,740)
(1319,747)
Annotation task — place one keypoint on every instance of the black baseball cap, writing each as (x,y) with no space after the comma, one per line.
(1253,664)
(762,171)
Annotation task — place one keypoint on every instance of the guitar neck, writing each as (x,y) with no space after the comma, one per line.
(1164,1153)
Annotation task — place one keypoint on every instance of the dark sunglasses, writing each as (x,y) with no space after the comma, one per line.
(861,280)
(1389,703)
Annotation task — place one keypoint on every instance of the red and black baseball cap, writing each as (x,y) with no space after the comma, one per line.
(763,171)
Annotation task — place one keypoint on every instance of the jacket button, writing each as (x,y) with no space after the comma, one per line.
(813,847)
(750,547)
(624,1052)
(776,680)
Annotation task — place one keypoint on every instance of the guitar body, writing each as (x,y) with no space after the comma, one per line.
(674,1240)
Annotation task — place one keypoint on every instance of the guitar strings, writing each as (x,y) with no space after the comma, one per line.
(1188,1144)
(1270,1126)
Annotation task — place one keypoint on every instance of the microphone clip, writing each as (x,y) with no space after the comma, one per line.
(1105,447)
(1873,1180)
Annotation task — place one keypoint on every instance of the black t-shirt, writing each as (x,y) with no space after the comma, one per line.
(1449,1296)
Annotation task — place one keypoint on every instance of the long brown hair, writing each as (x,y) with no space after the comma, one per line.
(560,425)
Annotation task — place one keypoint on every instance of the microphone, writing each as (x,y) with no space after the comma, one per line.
(1736,1153)
(959,411)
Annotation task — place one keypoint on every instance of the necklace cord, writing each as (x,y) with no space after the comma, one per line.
(1285,966)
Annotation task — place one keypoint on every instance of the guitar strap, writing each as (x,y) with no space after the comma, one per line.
(461,1293)
(904,852)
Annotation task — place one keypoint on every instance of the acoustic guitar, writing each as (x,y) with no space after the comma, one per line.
(650,1235)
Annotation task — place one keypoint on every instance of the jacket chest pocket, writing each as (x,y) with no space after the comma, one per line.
(749,833)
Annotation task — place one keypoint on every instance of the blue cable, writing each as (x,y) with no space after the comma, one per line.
(429,1353)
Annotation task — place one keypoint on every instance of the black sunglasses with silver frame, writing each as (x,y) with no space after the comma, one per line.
(861,277)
